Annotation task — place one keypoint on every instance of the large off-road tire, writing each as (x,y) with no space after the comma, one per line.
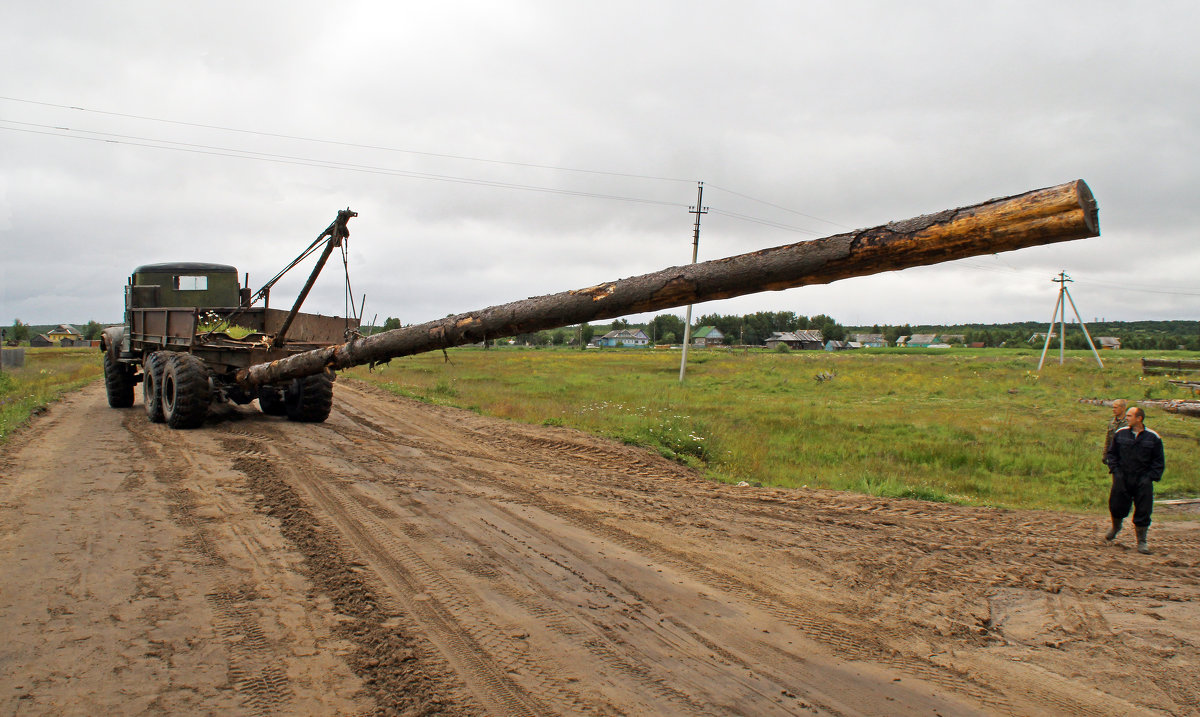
(271,401)
(185,391)
(152,375)
(118,381)
(310,399)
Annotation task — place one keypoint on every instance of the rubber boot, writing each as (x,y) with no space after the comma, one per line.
(1112,532)
(1141,537)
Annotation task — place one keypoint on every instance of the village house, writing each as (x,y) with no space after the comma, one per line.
(708,336)
(1108,342)
(63,331)
(806,340)
(919,340)
(873,341)
(624,337)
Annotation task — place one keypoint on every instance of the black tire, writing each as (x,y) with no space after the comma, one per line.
(152,374)
(118,382)
(310,399)
(271,401)
(185,391)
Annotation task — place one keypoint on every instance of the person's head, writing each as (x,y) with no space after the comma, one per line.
(1135,417)
(1119,407)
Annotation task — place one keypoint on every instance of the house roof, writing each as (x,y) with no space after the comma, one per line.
(66,329)
(625,334)
(705,331)
(795,336)
(869,338)
(922,338)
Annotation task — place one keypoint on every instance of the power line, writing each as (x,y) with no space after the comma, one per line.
(1086,282)
(321,164)
(218,151)
(339,143)
(764,222)
(777,206)
(467,158)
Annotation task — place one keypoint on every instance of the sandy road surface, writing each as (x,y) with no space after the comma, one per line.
(402,558)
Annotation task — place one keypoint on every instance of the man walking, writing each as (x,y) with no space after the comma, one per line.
(1135,457)
(1116,424)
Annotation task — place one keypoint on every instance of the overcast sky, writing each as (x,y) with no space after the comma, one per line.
(496,151)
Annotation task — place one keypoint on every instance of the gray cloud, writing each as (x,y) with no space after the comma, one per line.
(855,114)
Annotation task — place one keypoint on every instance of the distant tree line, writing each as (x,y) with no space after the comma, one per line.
(756,328)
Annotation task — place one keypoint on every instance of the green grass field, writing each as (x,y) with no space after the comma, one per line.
(976,427)
(46,375)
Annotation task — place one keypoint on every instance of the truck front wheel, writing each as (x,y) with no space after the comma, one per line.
(185,391)
(310,399)
(118,382)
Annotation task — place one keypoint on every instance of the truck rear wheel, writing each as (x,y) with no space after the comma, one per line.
(118,382)
(185,391)
(152,375)
(310,399)
(271,401)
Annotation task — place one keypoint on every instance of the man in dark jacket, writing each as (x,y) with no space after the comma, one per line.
(1136,460)
(1119,407)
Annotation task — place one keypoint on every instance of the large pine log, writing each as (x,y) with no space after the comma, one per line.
(1067,211)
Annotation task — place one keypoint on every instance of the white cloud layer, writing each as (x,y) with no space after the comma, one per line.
(194,142)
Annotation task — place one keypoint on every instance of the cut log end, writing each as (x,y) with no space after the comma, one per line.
(1087,202)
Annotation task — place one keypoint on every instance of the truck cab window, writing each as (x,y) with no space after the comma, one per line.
(191,283)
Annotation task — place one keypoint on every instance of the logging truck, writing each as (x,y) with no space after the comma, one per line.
(190,327)
(1043,216)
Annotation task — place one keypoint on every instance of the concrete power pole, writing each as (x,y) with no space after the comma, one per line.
(687,323)
(1062,282)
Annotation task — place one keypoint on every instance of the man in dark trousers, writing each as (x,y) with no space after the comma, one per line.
(1136,460)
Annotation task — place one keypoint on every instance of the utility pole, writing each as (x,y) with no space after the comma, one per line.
(687,323)
(1060,304)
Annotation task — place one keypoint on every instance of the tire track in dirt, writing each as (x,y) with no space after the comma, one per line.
(1016,547)
(455,613)
(483,449)
(402,672)
(254,665)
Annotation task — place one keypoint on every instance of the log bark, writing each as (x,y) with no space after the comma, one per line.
(1172,366)
(1061,213)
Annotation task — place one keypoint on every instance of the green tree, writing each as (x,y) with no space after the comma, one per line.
(19,331)
(663,325)
(830,329)
(391,323)
(586,333)
(92,331)
(558,337)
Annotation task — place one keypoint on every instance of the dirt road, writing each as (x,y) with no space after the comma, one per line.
(403,558)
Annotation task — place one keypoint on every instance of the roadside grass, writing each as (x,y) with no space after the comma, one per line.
(979,427)
(47,374)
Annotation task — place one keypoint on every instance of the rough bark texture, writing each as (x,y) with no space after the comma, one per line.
(1067,211)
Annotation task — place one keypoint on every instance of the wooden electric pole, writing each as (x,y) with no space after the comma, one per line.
(687,323)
